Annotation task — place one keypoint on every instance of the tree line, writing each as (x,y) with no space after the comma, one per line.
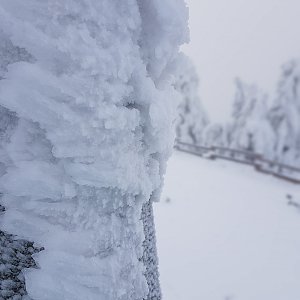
(259,123)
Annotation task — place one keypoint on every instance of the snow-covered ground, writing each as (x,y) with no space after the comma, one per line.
(226,232)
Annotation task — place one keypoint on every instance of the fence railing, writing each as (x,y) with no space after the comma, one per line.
(261,164)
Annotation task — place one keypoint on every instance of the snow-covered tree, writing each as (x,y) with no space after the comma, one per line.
(270,128)
(214,134)
(192,117)
(86,114)
(285,115)
(250,128)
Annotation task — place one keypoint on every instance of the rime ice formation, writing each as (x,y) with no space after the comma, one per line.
(86,112)
(271,129)
(251,129)
(285,115)
(16,255)
(150,253)
(215,134)
(192,117)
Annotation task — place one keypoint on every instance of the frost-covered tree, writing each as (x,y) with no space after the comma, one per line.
(250,128)
(214,134)
(192,118)
(271,129)
(285,115)
(86,114)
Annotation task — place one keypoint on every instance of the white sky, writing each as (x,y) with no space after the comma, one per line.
(246,38)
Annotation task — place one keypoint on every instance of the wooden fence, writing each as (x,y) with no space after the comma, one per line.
(261,164)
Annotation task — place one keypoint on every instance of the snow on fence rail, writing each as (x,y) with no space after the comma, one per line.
(260,163)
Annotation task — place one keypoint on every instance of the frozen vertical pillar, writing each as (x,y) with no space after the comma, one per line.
(90,86)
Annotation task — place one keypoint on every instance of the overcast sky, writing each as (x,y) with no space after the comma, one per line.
(249,39)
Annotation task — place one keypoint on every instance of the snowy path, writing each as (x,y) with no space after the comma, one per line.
(227,233)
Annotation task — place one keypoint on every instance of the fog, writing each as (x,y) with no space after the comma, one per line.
(249,39)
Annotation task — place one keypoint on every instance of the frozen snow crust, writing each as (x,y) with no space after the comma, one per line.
(86,113)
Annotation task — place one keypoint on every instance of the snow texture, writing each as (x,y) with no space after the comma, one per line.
(192,117)
(238,235)
(87,106)
(270,127)
(215,134)
(285,115)
(251,129)
(150,258)
(16,255)
(273,129)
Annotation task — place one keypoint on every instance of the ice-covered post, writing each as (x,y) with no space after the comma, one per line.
(88,104)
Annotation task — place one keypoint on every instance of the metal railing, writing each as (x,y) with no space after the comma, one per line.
(261,164)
